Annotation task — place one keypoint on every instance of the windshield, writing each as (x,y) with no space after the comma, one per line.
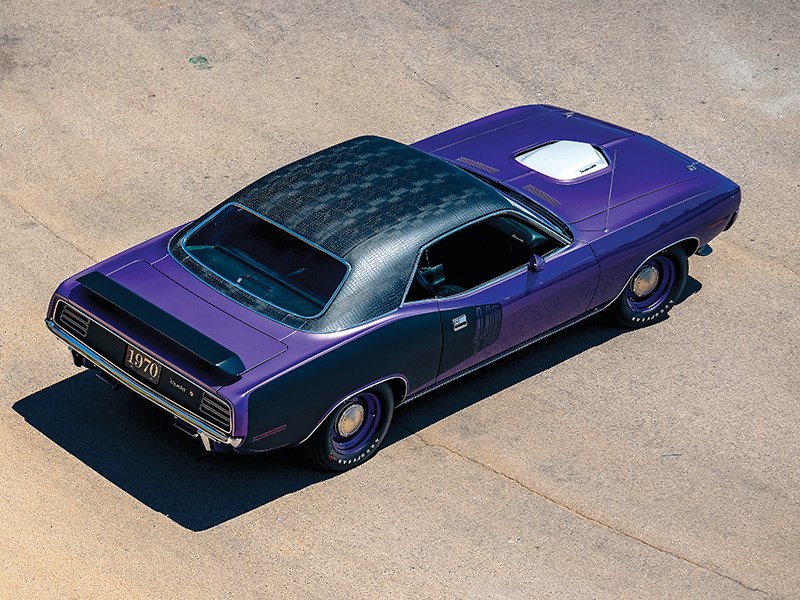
(543,213)
(267,261)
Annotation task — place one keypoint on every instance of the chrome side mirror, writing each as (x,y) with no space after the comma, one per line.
(536,264)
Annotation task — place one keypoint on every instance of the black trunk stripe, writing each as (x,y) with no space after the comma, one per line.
(179,332)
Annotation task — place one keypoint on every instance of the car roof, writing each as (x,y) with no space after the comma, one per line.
(370,200)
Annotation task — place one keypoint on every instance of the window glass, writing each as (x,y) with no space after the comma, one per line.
(476,254)
(267,261)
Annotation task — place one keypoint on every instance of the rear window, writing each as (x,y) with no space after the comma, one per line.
(267,261)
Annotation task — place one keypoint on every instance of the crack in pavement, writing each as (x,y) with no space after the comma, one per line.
(435,87)
(38,221)
(580,514)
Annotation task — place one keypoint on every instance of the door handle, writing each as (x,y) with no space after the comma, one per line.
(459,322)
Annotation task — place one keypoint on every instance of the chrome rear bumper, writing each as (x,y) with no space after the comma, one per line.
(207,434)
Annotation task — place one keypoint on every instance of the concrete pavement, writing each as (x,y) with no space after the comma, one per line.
(658,463)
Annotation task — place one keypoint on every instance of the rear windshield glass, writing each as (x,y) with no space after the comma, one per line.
(267,261)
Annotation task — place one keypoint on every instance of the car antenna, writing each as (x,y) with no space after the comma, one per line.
(610,187)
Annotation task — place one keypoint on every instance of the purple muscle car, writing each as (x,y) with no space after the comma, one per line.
(309,305)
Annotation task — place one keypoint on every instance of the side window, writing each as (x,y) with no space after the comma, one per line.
(476,254)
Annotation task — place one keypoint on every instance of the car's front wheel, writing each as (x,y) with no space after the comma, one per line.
(353,432)
(654,288)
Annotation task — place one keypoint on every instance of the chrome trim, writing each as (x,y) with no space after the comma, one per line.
(353,395)
(116,373)
(260,299)
(540,221)
(214,410)
(72,319)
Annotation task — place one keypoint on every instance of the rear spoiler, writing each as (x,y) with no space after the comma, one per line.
(197,343)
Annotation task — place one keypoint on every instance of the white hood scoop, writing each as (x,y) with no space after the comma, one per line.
(564,160)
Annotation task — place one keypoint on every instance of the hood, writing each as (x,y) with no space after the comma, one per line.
(637,166)
(492,147)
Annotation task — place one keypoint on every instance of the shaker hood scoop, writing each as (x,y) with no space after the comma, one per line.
(564,160)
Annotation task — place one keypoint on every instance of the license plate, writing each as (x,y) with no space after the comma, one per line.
(141,364)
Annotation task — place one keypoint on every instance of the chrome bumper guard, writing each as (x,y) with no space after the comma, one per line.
(206,433)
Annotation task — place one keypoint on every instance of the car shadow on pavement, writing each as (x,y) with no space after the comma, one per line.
(133,444)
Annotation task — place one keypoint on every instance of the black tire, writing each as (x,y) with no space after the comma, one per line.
(332,450)
(637,306)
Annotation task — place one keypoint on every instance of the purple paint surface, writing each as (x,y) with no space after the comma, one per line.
(293,379)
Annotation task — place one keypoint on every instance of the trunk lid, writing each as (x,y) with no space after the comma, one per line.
(252,346)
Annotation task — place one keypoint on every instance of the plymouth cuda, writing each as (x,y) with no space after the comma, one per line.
(308,306)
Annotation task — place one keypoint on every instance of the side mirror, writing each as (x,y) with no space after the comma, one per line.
(536,264)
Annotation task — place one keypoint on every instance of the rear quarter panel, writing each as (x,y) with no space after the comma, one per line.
(292,404)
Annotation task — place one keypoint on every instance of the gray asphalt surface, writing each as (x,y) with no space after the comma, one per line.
(659,463)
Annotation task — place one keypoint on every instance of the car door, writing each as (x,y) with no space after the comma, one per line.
(490,300)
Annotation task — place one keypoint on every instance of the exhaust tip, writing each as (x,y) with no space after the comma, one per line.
(206,441)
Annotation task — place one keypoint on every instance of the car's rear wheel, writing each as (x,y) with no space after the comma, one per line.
(654,288)
(353,432)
